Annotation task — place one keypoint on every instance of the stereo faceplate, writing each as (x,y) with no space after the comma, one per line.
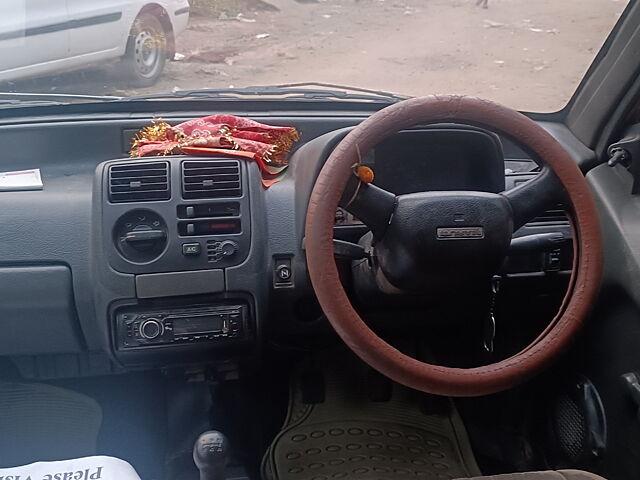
(217,324)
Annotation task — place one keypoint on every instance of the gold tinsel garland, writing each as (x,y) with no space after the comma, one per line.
(157,132)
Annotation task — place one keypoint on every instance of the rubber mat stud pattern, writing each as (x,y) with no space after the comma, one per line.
(349,436)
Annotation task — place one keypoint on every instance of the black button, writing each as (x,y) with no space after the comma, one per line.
(284,273)
(191,249)
(552,261)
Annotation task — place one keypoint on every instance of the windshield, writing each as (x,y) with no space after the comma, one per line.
(526,54)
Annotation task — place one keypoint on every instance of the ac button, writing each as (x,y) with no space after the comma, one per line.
(191,249)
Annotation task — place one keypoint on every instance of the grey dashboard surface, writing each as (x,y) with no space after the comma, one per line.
(620,217)
(57,226)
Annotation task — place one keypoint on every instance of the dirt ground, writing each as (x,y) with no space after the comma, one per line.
(526,54)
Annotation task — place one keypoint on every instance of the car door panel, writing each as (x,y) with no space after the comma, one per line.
(32,32)
(98,25)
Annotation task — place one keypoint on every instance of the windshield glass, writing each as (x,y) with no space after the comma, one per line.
(526,54)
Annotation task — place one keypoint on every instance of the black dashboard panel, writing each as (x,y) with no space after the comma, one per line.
(175,233)
(191,249)
(71,223)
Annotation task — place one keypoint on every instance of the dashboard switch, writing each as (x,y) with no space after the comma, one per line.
(283,274)
(552,261)
(228,248)
(216,251)
(191,249)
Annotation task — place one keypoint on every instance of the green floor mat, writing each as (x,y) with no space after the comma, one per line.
(349,436)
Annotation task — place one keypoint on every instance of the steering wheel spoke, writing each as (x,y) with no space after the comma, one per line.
(530,199)
(370,204)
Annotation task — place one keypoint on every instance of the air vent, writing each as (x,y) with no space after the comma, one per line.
(139,182)
(211,179)
(554,216)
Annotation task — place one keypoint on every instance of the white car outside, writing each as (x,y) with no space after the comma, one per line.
(40,37)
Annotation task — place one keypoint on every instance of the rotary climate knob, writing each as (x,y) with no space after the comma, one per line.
(151,329)
(228,248)
(218,250)
(140,235)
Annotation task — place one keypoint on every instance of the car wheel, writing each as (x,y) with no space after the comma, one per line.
(146,52)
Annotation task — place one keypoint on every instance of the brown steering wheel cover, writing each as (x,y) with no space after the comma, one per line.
(345,320)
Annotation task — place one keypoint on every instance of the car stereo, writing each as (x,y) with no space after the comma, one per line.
(140,329)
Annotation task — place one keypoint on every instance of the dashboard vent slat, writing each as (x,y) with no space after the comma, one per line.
(211,179)
(553,216)
(139,182)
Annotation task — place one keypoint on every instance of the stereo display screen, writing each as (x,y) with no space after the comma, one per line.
(195,325)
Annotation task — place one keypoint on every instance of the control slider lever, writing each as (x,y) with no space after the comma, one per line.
(537,242)
(344,249)
(135,236)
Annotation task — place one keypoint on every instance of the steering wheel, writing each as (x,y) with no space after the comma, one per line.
(430,239)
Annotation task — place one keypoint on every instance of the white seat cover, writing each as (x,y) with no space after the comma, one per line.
(87,468)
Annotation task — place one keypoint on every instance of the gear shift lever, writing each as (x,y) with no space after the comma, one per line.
(211,455)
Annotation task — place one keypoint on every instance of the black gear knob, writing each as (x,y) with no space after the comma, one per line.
(211,455)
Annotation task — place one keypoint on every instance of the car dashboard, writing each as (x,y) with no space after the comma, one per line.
(127,263)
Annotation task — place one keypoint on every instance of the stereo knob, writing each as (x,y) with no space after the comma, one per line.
(151,329)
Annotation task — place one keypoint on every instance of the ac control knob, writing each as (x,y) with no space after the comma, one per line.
(140,235)
(228,248)
(151,329)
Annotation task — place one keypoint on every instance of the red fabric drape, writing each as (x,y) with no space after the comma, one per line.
(213,135)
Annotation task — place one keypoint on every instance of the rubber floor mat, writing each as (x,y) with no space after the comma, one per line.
(44,423)
(348,436)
